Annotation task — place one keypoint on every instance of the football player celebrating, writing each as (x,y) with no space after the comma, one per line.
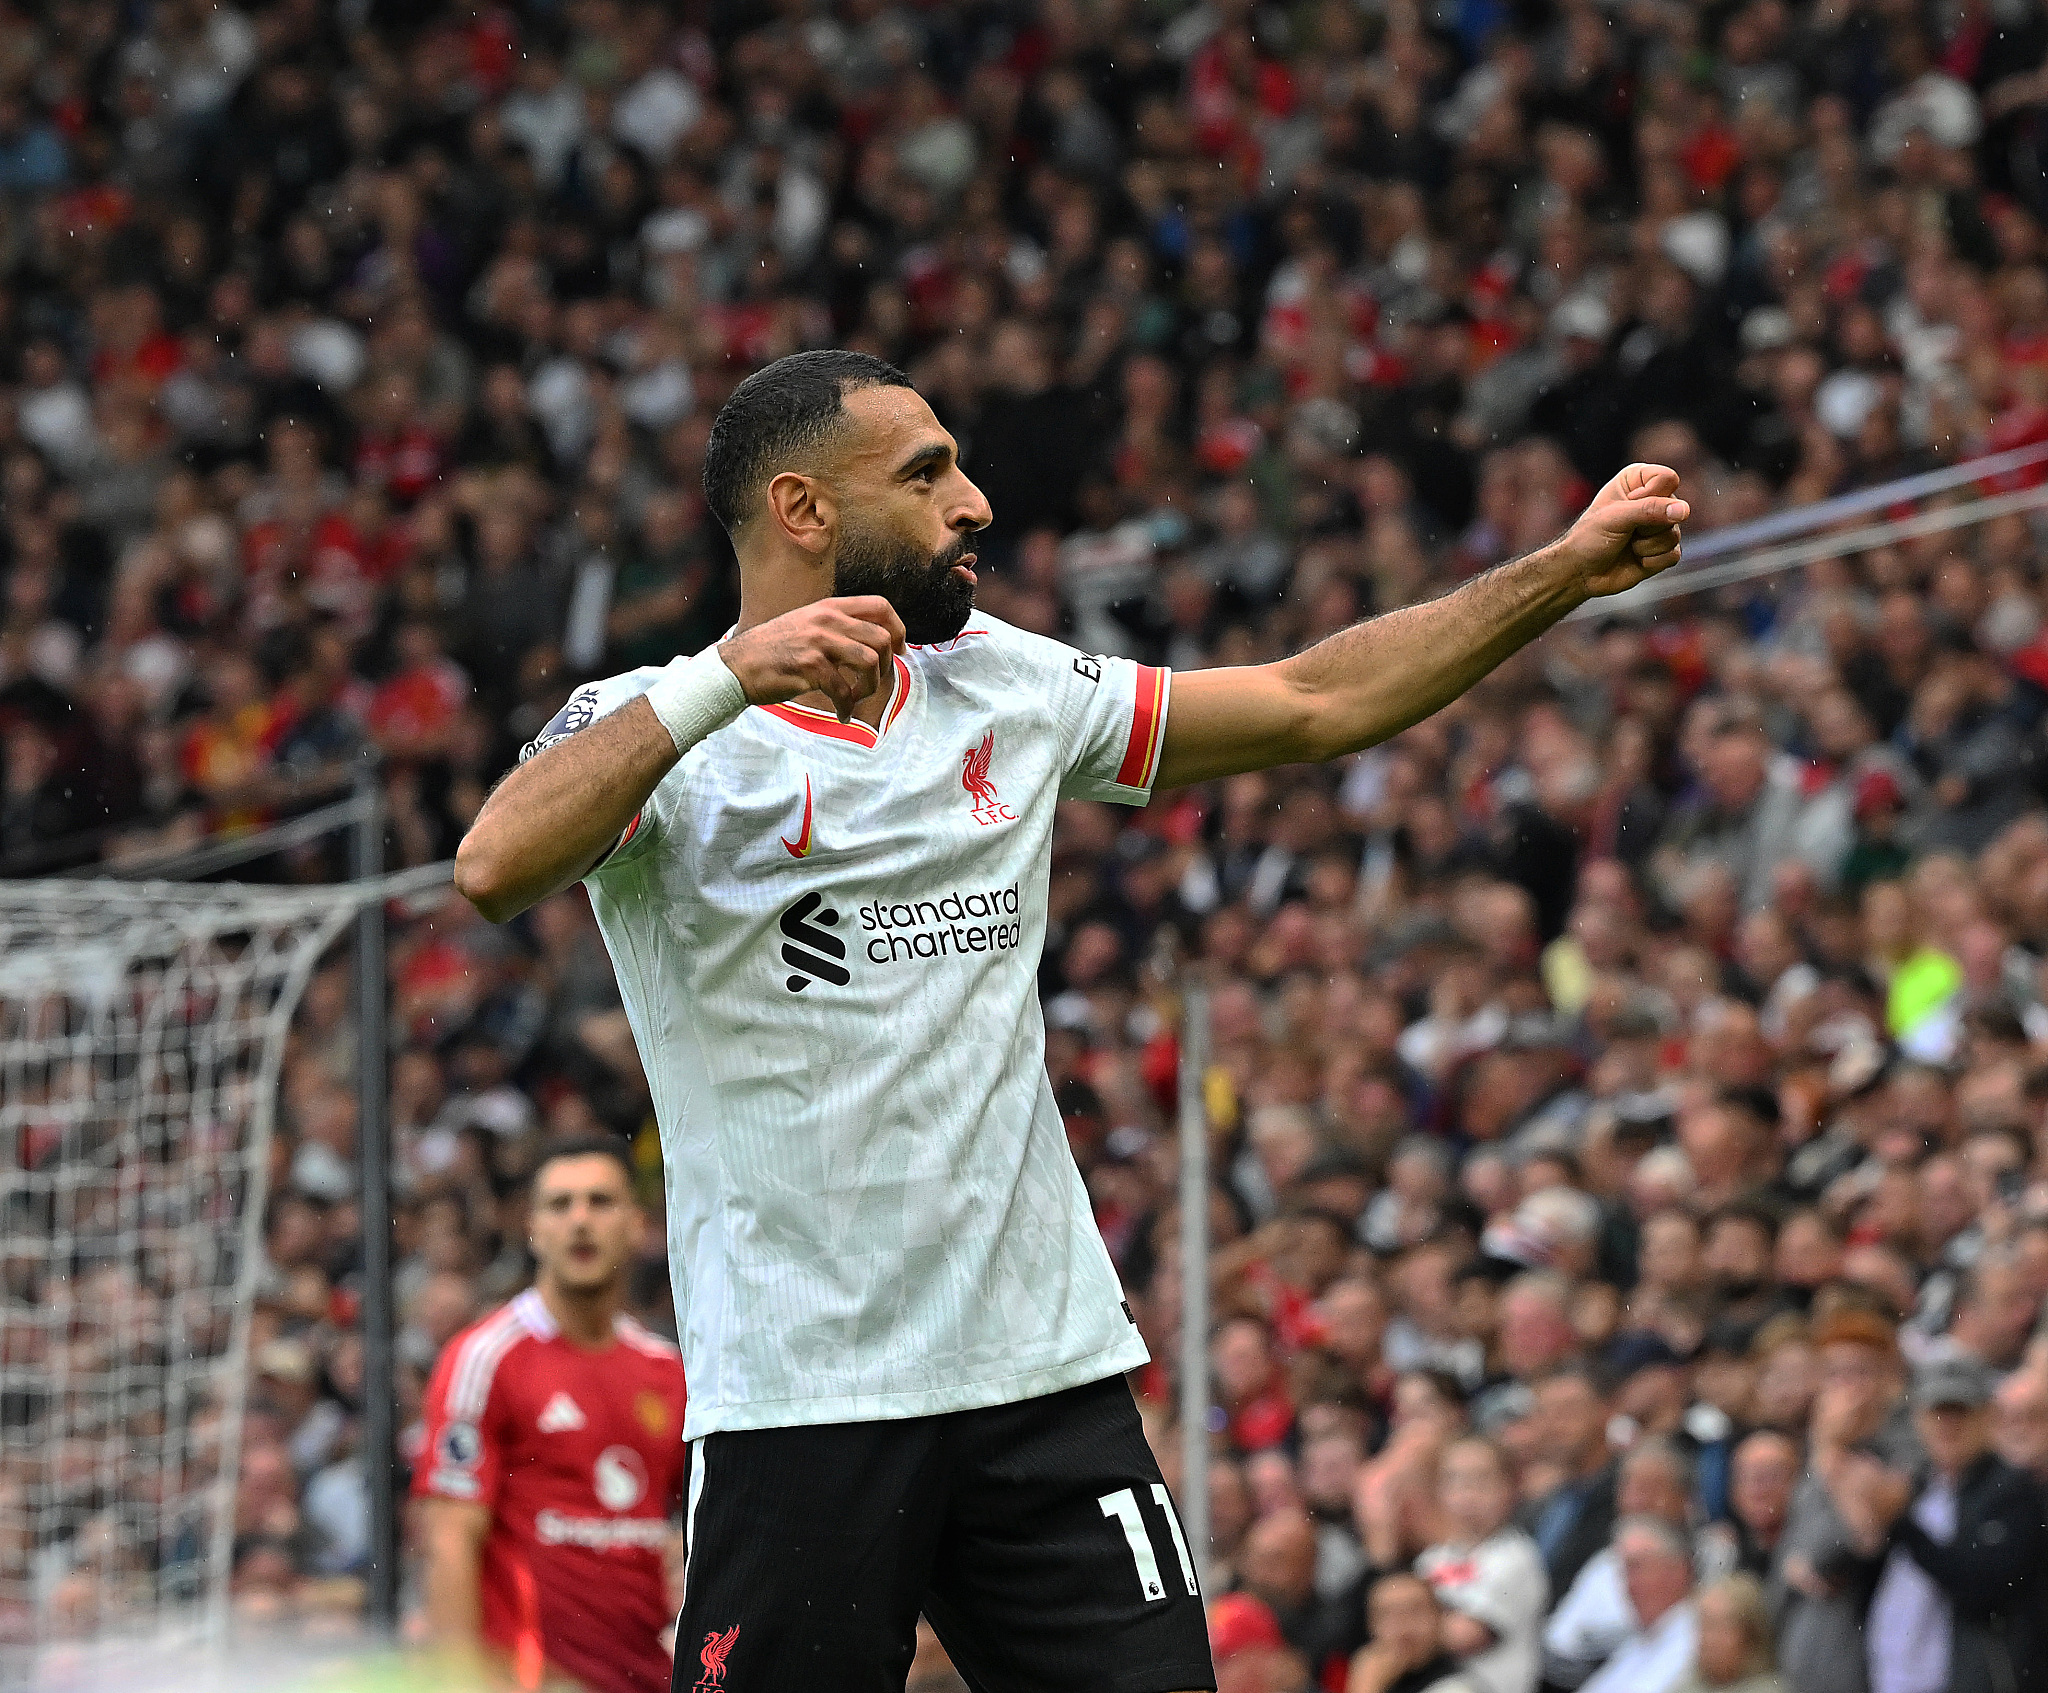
(553,1456)
(819,855)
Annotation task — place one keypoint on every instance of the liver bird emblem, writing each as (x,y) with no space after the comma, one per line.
(716,1649)
(974,763)
(974,772)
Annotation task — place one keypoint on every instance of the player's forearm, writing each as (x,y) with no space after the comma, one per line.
(552,817)
(454,1605)
(1371,681)
(453,1588)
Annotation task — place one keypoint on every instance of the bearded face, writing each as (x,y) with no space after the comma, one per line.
(933,602)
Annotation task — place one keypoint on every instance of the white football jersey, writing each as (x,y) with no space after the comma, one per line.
(828,939)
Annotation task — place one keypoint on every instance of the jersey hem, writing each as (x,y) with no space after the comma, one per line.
(1127,1354)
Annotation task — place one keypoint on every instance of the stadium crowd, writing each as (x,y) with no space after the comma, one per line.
(1631,1085)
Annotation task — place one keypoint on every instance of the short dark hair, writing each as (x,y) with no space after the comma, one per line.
(1758,1102)
(1757,1213)
(782,410)
(585,1146)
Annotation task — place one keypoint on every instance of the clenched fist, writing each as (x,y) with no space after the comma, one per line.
(1630,531)
(837,648)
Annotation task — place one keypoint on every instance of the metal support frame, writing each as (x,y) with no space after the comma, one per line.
(1194,1261)
(373,1150)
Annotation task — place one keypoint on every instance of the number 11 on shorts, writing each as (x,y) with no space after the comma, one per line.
(1123,1505)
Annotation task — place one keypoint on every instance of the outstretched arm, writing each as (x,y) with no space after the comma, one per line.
(1373,680)
(556,815)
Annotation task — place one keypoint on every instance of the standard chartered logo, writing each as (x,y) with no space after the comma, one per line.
(601,1534)
(620,1478)
(808,949)
(953,925)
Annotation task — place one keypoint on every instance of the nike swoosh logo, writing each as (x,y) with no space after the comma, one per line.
(801,846)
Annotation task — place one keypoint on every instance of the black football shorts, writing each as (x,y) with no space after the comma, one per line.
(1036,1537)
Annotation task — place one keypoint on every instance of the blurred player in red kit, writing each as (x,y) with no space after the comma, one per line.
(553,1454)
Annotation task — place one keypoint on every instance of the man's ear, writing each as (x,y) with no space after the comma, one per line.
(802,507)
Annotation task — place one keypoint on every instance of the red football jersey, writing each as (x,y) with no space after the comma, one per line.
(579,1456)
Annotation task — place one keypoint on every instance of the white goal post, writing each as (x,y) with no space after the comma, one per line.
(142,1030)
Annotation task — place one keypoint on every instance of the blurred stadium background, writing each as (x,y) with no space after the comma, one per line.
(355,366)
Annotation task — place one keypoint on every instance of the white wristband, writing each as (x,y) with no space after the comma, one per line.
(695,696)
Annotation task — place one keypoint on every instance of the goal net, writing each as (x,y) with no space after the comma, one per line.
(142,1028)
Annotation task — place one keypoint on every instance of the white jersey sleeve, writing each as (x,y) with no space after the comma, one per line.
(584,707)
(1111,714)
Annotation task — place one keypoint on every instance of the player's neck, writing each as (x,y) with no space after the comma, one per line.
(768,589)
(588,1319)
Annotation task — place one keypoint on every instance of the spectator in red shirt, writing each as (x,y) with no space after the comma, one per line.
(414,711)
(553,1456)
(396,450)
